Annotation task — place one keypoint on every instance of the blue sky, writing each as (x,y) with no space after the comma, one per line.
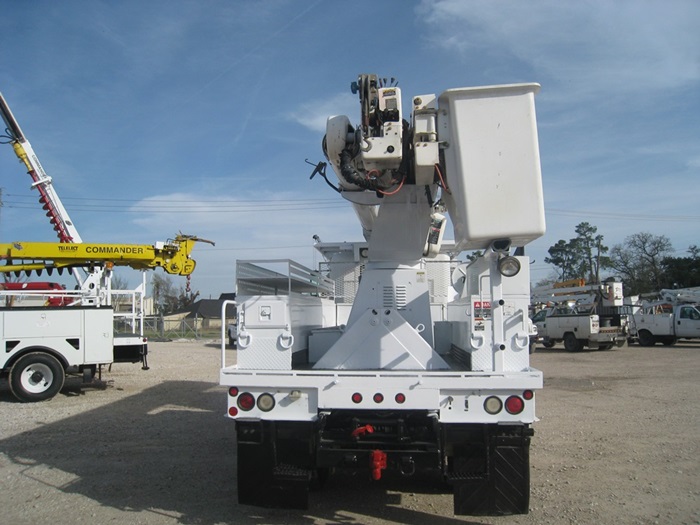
(155,117)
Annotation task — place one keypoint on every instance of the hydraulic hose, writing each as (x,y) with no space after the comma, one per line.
(352,176)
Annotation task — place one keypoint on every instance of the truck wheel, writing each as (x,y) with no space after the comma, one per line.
(548,344)
(571,343)
(646,338)
(36,377)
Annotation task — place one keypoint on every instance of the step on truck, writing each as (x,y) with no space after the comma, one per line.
(394,356)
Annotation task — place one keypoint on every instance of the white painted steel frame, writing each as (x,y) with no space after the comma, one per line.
(332,390)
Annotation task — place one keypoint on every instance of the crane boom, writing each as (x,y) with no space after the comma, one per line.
(48,197)
(172,256)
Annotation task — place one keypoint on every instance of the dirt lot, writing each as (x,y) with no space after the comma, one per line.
(618,442)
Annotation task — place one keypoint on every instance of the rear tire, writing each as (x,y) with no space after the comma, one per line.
(36,377)
(646,338)
(571,343)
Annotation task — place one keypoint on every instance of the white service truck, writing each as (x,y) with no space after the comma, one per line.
(576,329)
(65,331)
(372,367)
(587,315)
(43,344)
(676,316)
(69,331)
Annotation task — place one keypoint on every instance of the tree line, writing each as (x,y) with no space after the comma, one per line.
(643,261)
(169,298)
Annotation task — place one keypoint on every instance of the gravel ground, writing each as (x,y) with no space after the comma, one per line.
(618,442)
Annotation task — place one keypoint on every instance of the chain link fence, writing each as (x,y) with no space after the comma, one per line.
(158,327)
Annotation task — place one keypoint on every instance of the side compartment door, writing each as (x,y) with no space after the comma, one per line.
(98,336)
(688,322)
(264,333)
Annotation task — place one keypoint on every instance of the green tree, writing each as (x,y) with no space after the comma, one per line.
(639,261)
(682,272)
(167,297)
(582,257)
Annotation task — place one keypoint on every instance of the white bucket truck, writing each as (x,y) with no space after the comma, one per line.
(406,378)
(675,315)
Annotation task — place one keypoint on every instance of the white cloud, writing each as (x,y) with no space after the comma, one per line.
(313,114)
(595,48)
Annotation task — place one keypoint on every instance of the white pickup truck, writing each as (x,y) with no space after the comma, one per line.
(577,329)
(664,323)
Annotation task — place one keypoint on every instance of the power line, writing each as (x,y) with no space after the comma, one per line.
(201,209)
(32,196)
(17,201)
(623,216)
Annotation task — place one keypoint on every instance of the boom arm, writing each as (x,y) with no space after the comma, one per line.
(55,211)
(172,256)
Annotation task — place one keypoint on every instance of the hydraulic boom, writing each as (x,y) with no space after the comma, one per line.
(55,211)
(173,256)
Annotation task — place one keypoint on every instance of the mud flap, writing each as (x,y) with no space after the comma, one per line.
(500,483)
(274,463)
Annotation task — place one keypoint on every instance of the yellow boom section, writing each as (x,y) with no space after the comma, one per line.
(173,256)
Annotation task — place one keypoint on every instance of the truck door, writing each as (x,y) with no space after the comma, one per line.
(688,322)
(540,321)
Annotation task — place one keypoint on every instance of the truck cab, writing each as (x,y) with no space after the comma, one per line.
(666,323)
(688,322)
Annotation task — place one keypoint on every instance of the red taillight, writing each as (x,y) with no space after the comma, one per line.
(233,391)
(233,411)
(528,395)
(378,398)
(246,401)
(514,405)
(357,398)
(400,398)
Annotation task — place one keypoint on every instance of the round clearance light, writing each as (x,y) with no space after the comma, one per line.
(246,401)
(233,411)
(400,398)
(266,402)
(514,405)
(233,391)
(357,398)
(509,266)
(378,397)
(528,395)
(493,405)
